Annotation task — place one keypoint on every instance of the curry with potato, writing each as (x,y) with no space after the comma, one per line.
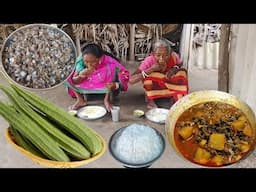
(214,134)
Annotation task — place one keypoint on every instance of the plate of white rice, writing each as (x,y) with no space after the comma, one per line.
(136,145)
(91,112)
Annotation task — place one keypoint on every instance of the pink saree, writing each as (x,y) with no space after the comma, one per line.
(108,70)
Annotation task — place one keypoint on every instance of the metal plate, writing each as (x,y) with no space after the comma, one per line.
(138,130)
(91,112)
(50,69)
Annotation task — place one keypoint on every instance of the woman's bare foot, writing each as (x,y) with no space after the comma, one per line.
(77,105)
(151,104)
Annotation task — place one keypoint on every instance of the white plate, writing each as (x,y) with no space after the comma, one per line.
(157,115)
(72,112)
(91,112)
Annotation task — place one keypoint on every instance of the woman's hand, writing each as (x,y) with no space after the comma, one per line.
(87,71)
(171,72)
(155,68)
(78,78)
(135,78)
(111,86)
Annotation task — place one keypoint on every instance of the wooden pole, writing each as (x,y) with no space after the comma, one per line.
(132,42)
(223,68)
(78,46)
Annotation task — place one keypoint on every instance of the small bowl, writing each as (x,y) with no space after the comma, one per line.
(138,113)
(157,115)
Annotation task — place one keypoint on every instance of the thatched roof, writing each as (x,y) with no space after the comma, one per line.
(114,38)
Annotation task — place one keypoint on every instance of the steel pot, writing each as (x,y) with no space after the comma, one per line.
(200,97)
(19,32)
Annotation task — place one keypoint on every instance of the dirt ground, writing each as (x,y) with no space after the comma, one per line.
(128,101)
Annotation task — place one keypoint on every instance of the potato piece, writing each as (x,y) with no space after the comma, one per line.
(248,131)
(203,142)
(217,141)
(186,132)
(244,146)
(238,125)
(202,155)
(242,118)
(217,159)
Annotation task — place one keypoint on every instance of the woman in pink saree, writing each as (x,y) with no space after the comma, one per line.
(96,72)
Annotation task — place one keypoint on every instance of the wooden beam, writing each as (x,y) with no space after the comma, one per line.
(223,67)
(78,45)
(132,42)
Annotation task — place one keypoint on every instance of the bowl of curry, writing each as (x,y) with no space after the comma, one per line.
(211,128)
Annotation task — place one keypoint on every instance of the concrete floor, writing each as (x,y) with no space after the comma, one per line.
(133,99)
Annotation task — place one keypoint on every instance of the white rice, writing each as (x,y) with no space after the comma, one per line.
(138,144)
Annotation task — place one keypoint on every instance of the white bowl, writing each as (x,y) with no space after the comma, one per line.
(157,115)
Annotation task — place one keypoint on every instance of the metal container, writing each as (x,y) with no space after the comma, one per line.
(8,41)
(136,145)
(200,97)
